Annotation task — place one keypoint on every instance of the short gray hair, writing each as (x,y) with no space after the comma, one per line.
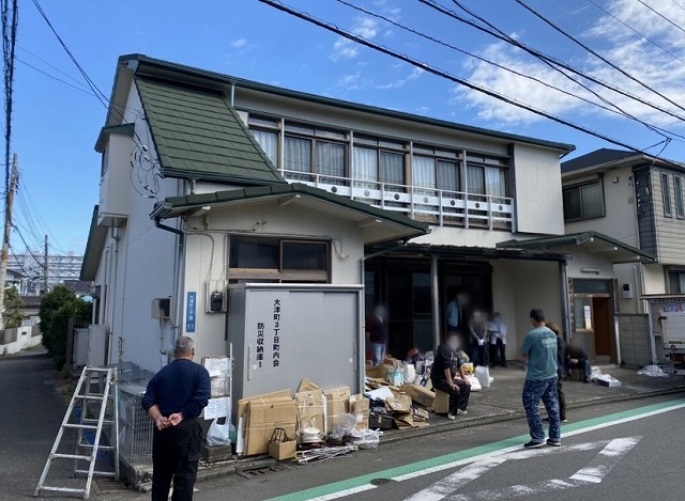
(184,345)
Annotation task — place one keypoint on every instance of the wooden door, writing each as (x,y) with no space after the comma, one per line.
(603,326)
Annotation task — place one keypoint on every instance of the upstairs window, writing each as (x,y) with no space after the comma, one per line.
(585,201)
(265,131)
(311,150)
(678,192)
(666,195)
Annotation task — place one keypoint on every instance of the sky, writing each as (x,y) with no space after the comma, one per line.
(57,119)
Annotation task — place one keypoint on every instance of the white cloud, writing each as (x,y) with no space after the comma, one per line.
(344,48)
(239,43)
(400,82)
(633,53)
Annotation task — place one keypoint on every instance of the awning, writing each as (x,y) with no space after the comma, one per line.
(590,241)
(96,242)
(377,225)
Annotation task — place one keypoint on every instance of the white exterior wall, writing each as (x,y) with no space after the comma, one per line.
(654,281)
(629,273)
(620,221)
(347,249)
(585,265)
(462,237)
(538,199)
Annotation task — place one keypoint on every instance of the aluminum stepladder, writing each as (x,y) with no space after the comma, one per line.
(94,402)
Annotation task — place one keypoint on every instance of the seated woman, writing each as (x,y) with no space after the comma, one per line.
(447,376)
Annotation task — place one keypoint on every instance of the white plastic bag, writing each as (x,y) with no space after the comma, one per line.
(219,434)
(475,384)
(483,375)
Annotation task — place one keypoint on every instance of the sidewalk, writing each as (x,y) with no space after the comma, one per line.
(499,403)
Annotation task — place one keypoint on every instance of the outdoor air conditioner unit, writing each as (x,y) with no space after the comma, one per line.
(161,308)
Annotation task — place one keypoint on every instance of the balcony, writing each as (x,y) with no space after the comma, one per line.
(439,207)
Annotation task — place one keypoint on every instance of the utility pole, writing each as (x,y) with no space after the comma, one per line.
(4,256)
(45,268)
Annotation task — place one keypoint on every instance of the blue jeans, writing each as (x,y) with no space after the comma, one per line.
(378,351)
(478,354)
(583,365)
(533,391)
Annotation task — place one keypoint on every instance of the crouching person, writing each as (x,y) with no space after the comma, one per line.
(447,376)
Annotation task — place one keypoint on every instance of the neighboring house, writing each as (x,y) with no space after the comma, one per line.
(14,279)
(209,180)
(637,201)
(61,268)
(31,310)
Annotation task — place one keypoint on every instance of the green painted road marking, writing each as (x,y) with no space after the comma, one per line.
(426,464)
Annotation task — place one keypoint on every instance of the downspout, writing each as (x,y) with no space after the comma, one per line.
(179,262)
(565,312)
(435,299)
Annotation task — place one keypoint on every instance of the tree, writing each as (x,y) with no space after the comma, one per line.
(56,308)
(12,315)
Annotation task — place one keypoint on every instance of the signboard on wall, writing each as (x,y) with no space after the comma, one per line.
(191,311)
(661,308)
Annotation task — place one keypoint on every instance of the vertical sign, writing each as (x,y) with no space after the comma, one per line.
(191,311)
(277,333)
(260,344)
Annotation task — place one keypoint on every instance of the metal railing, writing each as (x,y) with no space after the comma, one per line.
(441,207)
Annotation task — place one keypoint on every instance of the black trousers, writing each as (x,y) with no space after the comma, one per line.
(498,354)
(562,400)
(459,398)
(175,455)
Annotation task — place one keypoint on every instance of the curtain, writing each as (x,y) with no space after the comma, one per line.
(392,170)
(475,179)
(423,172)
(365,167)
(298,155)
(269,142)
(331,161)
(448,175)
(495,182)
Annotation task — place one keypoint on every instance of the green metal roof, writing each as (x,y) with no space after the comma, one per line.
(178,206)
(197,135)
(621,251)
(209,79)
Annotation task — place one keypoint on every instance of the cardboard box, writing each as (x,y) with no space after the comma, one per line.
(419,394)
(359,406)
(243,406)
(311,409)
(263,417)
(607,380)
(377,372)
(283,450)
(306,385)
(441,404)
(337,405)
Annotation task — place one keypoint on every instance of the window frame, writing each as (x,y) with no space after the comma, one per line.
(665,184)
(678,196)
(579,186)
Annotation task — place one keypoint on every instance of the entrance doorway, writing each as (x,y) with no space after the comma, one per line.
(602,319)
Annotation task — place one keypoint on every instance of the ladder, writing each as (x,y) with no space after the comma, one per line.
(93,417)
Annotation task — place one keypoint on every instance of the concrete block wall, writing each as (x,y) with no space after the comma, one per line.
(635,344)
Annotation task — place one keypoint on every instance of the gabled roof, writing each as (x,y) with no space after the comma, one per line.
(198,135)
(614,250)
(208,79)
(377,225)
(606,158)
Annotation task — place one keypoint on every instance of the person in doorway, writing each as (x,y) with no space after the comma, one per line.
(478,330)
(497,331)
(561,349)
(453,314)
(447,376)
(539,352)
(576,358)
(174,398)
(377,333)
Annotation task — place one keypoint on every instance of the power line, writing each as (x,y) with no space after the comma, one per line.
(599,56)
(84,91)
(609,107)
(553,62)
(641,35)
(669,21)
(47,63)
(443,74)
(678,4)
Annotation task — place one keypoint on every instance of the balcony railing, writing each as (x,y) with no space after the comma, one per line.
(441,207)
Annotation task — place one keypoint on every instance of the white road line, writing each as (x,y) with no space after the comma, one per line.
(347,492)
(515,491)
(597,469)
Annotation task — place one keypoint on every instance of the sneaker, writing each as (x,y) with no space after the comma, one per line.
(462,412)
(564,421)
(534,445)
(554,443)
(451,417)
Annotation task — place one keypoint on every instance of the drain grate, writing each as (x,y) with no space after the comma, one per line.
(260,472)
(381,481)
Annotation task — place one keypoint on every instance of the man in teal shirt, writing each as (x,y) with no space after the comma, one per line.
(539,352)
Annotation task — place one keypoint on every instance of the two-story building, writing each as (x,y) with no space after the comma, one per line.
(210,180)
